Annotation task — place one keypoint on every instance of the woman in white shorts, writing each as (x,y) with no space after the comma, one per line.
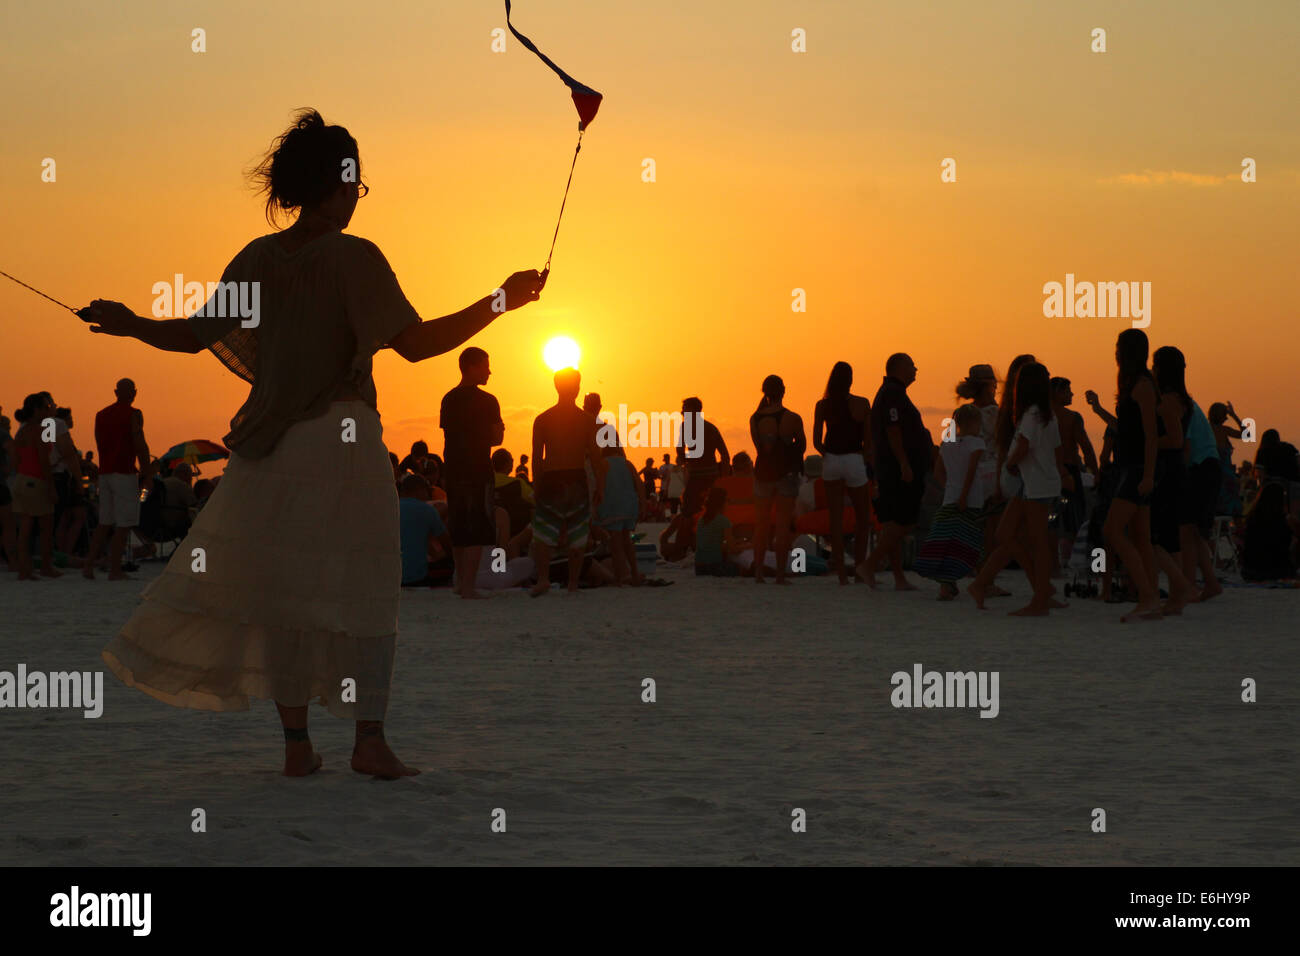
(842,433)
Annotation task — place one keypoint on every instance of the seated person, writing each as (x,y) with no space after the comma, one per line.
(420,526)
(713,540)
(180,503)
(1270,533)
(512,493)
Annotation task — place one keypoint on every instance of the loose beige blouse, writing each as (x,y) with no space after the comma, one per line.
(324,311)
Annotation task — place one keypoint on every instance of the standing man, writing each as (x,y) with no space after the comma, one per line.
(904,451)
(564,442)
(471,421)
(119,436)
(704,459)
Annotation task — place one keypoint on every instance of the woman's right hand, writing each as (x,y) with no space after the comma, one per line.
(107,317)
(1091,398)
(522,288)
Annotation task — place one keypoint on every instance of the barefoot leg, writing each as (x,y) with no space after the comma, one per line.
(372,755)
(300,758)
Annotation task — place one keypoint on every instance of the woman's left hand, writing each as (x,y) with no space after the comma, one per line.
(107,317)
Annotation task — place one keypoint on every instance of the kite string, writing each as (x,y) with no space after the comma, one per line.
(50,297)
(572,165)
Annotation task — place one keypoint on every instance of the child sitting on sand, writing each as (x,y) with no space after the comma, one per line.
(713,540)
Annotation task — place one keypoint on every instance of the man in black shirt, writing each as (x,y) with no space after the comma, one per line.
(704,460)
(903,455)
(471,421)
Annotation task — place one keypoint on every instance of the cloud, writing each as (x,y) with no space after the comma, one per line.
(1172,177)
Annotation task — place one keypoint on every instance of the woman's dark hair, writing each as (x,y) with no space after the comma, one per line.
(714,503)
(773,391)
(1131,351)
(304,165)
(839,383)
(1006,426)
(741,461)
(1170,370)
(1034,390)
(32,404)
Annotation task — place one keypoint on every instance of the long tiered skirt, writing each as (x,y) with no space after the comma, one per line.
(287,585)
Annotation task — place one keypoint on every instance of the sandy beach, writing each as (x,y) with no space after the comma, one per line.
(767,700)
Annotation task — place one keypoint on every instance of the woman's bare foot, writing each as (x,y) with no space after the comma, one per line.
(372,755)
(1031,610)
(995,591)
(538,589)
(300,758)
(1143,612)
(976,591)
(1210,590)
(947,592)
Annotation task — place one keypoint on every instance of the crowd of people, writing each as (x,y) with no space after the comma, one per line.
(1014,478)
(60,507)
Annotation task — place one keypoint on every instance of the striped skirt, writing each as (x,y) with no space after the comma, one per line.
(952,548)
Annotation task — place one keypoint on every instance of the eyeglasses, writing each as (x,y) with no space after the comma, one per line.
(362,189)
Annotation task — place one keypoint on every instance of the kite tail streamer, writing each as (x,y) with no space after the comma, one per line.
(78,314)
(585,98)
(559,218)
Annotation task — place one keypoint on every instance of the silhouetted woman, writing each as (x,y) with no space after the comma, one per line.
(1169,497)
(1128,522)
(842,434)
(287,585)
(779,439)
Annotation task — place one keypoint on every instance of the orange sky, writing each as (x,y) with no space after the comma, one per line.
(775,170)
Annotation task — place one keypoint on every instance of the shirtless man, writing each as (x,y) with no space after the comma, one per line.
(1074,438)
(564,439)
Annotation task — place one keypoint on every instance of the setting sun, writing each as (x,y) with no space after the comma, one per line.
(561,352)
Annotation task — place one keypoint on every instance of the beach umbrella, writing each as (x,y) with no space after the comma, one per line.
(585,100)
(193,452)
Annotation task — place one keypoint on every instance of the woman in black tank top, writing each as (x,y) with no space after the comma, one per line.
(1135,452)
(779,440)
(843,438)
(1167,506)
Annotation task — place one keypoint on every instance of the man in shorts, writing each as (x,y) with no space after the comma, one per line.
(119,436)
(904,452)
(564,440)
(471,421)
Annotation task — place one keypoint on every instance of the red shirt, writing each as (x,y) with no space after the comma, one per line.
(113,435)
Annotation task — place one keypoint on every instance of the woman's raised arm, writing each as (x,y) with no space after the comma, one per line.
(421,341)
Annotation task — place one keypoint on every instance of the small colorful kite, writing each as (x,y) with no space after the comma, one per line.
(587,102)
